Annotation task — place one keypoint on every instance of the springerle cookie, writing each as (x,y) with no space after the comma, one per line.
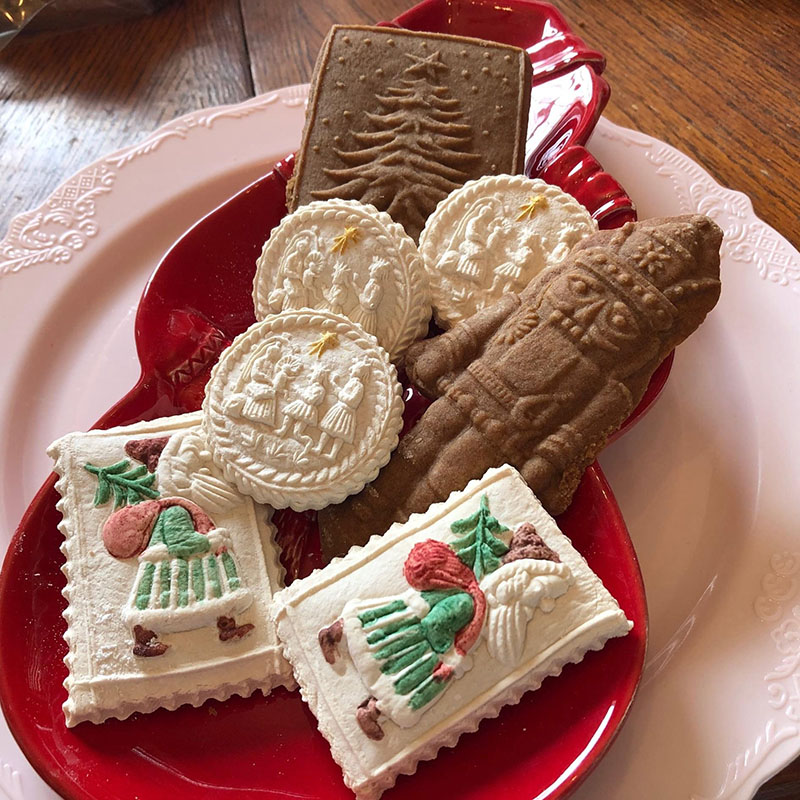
(302,409)
(349,258)
(492,236)
(403,645)
(170,572)
(399,118)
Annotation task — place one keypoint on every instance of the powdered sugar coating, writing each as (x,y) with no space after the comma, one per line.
(105,678)
(582,618)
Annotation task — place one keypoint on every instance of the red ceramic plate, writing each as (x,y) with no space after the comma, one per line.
(244,748)
(197,300)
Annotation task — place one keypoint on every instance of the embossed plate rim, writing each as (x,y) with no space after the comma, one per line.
(744,726)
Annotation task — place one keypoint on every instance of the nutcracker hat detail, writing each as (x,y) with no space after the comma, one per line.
(434,565)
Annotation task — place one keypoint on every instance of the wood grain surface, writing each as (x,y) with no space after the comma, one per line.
(715,78)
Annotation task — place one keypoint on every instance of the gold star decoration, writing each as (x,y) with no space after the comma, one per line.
(327,341)
(529,209)
(341,242)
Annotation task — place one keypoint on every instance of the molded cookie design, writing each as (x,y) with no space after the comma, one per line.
(410,647)
(302,410)
(351,259)
(400,118)
(494,235)
(169,573)
(541,379)
(186,468)
(187,576)
(404,644)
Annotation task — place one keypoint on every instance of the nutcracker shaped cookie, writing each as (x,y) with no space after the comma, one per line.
(541,379)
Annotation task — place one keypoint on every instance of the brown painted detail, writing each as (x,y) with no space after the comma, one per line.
(147,644)
(526,543)
(230,631)
(147,451)
(367,717)
(329,639)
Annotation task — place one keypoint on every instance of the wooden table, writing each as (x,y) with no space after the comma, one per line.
(715,78)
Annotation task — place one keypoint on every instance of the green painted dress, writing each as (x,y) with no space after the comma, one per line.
(403,647)
(185,579)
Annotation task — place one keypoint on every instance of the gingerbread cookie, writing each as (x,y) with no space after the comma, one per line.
(170,571)
(399,119)
(492,236)
(349,258)
(541,380)
(302,409)
(409,642)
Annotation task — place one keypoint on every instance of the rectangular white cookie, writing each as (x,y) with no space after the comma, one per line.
(568,612)
(235,578)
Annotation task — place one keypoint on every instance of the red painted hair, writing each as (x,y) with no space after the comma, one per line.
(434,565)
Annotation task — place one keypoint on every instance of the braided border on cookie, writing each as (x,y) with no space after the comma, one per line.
(298,489)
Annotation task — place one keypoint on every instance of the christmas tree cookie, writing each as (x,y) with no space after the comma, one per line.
(492,236)
(403,645)
(170,573)
(302,409)
(399,119)
(349,258)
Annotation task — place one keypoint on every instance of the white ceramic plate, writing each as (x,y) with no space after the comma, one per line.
(706,481)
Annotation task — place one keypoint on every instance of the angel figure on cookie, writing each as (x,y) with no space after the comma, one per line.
(370,297)
(187,576)
(339,422)
(290,291)
(469,258)
(297,273)
(336,296)
(410,647)
(269,378)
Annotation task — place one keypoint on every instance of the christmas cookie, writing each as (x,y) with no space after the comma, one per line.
(170,572)
(349,258)
(302,409)
(540,380)
(492,236)
(405,644)
(400,118)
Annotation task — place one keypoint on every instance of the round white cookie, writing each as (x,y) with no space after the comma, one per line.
(302,409)
(349,258)
(492,236)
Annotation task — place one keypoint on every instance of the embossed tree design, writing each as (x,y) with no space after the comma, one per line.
(418,152)
(129,485)
(478,547)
